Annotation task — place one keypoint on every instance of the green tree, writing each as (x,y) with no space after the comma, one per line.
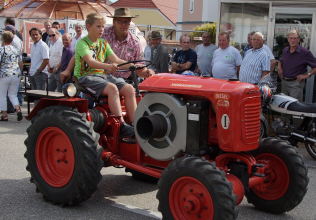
(208,27)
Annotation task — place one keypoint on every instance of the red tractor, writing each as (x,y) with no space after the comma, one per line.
(199,136)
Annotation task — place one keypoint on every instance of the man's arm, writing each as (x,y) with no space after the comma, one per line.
(69,69)
(43,65)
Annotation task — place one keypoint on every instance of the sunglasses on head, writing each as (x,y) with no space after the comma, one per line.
(51,35)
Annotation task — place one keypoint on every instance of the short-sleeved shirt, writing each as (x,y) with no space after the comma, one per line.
(99,50)
(183,56)
(205,57)
(55,52)
(128,49)
(255,62)
(296,63)
(10,58)
(225,62)
(39,52)
(66,57)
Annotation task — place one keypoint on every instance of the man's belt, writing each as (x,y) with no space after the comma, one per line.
(289,79)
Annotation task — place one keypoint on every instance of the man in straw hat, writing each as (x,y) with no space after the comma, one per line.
(159,53)
(124,44)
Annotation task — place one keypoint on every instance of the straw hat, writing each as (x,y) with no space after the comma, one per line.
(122,13)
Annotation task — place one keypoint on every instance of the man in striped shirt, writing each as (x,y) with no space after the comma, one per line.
(256,63)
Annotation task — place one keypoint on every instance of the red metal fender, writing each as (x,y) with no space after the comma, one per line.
(80,104)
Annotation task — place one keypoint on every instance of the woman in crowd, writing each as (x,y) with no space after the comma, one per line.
(10,69)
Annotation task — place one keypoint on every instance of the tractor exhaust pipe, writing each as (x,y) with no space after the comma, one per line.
(153,126)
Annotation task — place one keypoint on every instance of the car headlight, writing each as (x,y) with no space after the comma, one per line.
(69,90)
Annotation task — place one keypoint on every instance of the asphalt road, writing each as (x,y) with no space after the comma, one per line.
(118,195)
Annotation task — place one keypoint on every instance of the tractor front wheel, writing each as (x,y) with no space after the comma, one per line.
(63,155)
(191,188)
(286,177)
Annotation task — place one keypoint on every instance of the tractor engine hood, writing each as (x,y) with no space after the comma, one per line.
(193,85)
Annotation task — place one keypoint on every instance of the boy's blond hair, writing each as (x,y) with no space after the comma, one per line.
(7,37)
(91,18)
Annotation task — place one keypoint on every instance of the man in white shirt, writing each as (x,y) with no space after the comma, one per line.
(226,59)
(75,39)
(55,53)
(205,53)
(39,60)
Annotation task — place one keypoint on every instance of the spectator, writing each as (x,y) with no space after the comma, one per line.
(11,21)
(186,58)
(265,47)
(93,74)
(205,53)
(56,25)
(10,69)
(125,45)
(256,63)
(147,50)
(226,60)
(39,60)
(17,43)
(55,53)
(293,66)
(159,54)
(47,25)
(67,53)
(75,39)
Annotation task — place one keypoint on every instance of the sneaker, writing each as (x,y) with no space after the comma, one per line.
(126,130)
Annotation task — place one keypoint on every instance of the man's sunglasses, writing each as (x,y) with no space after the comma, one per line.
(51,35)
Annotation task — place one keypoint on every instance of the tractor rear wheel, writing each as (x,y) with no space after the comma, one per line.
(63,155)
(191,188)
(286,177)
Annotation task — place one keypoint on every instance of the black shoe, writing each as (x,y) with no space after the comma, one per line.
(19,114)
(126,130)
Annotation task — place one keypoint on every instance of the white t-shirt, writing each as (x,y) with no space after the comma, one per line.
(74,41)
(225,62)
(17,43)
(55,52)
(204,58)
(39,52)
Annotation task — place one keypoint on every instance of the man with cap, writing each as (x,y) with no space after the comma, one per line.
(159,54)
(123,43)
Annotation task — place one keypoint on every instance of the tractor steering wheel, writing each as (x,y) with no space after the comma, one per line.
(134,68)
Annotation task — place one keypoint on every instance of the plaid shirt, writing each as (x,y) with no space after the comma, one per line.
(128,49)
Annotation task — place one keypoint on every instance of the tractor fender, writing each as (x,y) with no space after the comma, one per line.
(78,103)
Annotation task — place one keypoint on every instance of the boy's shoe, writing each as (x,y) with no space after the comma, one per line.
(126,130)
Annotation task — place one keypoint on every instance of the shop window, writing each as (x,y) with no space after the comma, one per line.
(239,19)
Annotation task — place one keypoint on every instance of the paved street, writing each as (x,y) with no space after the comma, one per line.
(118,196)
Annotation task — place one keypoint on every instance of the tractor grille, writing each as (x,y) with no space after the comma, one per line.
(250,119)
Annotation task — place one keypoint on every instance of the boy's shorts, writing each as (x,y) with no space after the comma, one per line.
(95,83)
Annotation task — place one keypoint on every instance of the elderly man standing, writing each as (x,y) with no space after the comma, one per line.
(205,53)
(256,63)
(293,66)
(47,26)
(226,60)
(75,39)
(186,58)
(55,53)
(159,54)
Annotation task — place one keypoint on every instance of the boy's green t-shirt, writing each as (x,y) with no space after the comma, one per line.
(99,50)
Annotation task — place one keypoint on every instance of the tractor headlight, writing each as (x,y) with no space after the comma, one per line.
(69,90)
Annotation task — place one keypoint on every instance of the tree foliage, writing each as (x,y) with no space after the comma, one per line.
(208,27)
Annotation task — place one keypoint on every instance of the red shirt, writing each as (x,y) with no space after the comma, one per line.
(128,49)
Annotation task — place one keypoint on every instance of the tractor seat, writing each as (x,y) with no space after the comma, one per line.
(302,107)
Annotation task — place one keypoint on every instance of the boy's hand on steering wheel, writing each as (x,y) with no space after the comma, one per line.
(145,72)
(111,68)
